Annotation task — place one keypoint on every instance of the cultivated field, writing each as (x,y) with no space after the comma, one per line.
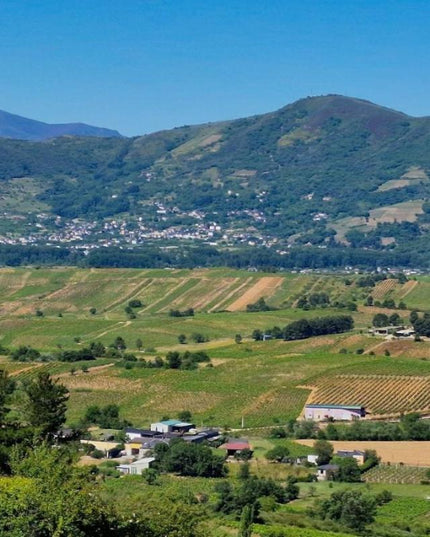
(380,394)
(410,453)
(257,381)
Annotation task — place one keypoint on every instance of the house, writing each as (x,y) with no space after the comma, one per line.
(136,467)
(355,454)
(172,426)
(334,412)
(326,472)
(235,447)
(406,333)
(385,330)
(139,447)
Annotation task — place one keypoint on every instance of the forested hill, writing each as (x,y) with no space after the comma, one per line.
(21,128)
(324,171)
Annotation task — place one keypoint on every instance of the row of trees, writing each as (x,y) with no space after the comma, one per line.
(305,328)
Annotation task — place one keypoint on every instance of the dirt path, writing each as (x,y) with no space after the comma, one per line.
(24,369)
(92,335)
(90,370)
(264,287)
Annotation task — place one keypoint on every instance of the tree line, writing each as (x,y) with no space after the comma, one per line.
(306,328)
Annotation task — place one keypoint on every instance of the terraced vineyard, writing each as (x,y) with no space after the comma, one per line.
(380,394)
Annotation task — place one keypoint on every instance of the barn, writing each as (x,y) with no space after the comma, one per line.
(334,412)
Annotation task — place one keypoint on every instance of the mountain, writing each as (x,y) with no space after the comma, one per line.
(21,128)
(323,172)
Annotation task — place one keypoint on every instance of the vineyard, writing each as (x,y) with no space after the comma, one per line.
(383,287)
(396,473)
(380,394)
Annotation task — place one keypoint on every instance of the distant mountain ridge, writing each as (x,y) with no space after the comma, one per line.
(327,172)
(21,128)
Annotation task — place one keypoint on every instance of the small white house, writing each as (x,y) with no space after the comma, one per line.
(312,459)
(136,467)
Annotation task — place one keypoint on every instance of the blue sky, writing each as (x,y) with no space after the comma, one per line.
(144,65)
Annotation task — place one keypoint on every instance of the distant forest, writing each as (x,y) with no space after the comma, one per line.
(206,256)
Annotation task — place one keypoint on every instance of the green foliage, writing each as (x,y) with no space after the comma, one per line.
(45,406)
(350,508)
(324,450)
(106,417)
(189,459)
(260,305)
(278,453)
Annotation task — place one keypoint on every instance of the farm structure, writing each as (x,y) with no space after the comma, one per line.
(327,471)
(235,447)
(380,395)
(136,467)
(356,454)
(172,426)
(334,412)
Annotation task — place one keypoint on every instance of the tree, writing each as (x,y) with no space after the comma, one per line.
(278,453)
(238,338)
(119,343)
(244,471)
(379,320)
(324,450)
(292,489)
(45,407)
(182,338)
(184,415)
(246,520)
(93,311)
(139,344)
(349,472)
(7,386)
(173,359)
(351,508)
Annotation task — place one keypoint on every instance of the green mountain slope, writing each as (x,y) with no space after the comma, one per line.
(323,171)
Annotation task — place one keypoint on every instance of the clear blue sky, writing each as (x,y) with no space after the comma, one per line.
(144,65)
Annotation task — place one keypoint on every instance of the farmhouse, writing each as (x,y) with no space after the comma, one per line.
(172,426)
(334,412)
(136,467)
(235,447)
(385,330)
(326,471)
(355,454)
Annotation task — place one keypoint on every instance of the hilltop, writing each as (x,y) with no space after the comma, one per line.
(324,171)
(22,128)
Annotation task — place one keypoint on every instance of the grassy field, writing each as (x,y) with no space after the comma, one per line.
(261,382)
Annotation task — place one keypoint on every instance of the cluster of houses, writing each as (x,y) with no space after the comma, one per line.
(140,443)
(399,331)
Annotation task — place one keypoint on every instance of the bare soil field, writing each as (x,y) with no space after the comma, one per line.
(407,452)
(264,287)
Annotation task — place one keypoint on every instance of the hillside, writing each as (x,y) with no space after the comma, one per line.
(67,309)
(324,171)
(21,128)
